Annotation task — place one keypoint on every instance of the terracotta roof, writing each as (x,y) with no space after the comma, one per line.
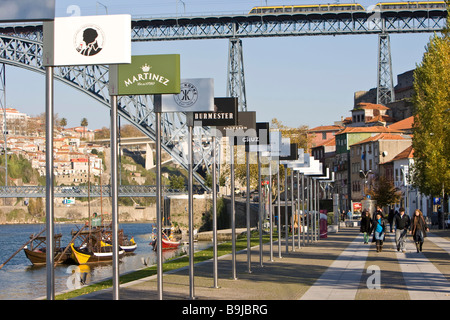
(366,105)
(408,153)
(381,118)
(381,136)
(375,129)
(404,124)
(327,143)
(326,128)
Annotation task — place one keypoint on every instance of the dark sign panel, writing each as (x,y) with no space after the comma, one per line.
(246,125)
(225,113)
(293,155)
(26,10)
(262,130)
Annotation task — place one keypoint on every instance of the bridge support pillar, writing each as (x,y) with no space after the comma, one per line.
(236,76)
(3,124)
(385,85)
(149,163)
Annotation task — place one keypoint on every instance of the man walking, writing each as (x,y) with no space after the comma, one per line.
(401,224)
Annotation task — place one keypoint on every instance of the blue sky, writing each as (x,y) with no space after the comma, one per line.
(299,80)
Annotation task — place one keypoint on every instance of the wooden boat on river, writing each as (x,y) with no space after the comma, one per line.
(93,249)
(167,243)
(125,244)
(36,252)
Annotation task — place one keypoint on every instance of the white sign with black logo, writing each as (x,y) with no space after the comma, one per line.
(87,40)
(196,95)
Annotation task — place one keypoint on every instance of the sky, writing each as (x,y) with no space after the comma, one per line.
(298,80)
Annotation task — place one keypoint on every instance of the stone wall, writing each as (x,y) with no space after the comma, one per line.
(16,212)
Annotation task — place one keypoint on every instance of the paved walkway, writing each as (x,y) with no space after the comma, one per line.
(340,267)
(423,280)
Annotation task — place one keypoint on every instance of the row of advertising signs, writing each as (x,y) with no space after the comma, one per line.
(106,40)
(95,40)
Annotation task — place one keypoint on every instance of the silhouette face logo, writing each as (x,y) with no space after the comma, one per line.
(89,40)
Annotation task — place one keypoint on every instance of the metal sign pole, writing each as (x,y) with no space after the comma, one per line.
(233,214)
(214,204)
(49,184)
(270,210)
(260,212)
(286,223)
(159,248)
(114,197)
(249,254)
(308,200)
(279,210)
(299,223)
(317,211)
(303,209)
(191,214)
(292,209)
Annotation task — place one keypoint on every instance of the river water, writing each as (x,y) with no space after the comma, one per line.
(20,280)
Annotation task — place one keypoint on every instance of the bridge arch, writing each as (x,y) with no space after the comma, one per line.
(26,53)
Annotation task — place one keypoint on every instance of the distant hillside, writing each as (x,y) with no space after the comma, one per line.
(20,171)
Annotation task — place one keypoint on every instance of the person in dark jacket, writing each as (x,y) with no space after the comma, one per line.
(379,231)
(401,224)
(366,223)
(391,216)
(419,229)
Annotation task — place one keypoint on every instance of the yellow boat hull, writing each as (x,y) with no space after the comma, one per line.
(95,257)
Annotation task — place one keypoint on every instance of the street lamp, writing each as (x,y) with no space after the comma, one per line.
(365,174)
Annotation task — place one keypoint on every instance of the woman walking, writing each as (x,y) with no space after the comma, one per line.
(419,229)
(366,223)
(379,228)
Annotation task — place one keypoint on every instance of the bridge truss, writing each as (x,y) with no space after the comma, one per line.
(84,191)
(21,46)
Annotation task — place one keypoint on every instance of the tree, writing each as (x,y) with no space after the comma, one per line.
(384,192)
(177,182)
(103,133)
(431,101)
(84,124)
(63,122)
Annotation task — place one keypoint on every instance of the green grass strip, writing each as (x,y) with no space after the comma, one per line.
(173,264)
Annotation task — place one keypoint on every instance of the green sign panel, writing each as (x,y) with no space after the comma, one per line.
(149,74)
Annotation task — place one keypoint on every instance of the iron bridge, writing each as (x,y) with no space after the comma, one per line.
(21,46)
(84,191)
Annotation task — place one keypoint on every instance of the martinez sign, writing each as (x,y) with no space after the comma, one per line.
(148,74)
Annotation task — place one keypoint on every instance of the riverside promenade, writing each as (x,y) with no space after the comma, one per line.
(339,267)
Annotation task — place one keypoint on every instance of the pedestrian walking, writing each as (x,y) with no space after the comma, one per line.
(401,225)
(366,223)
(419,229)
(379,231)
(380,211)
(391,216)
